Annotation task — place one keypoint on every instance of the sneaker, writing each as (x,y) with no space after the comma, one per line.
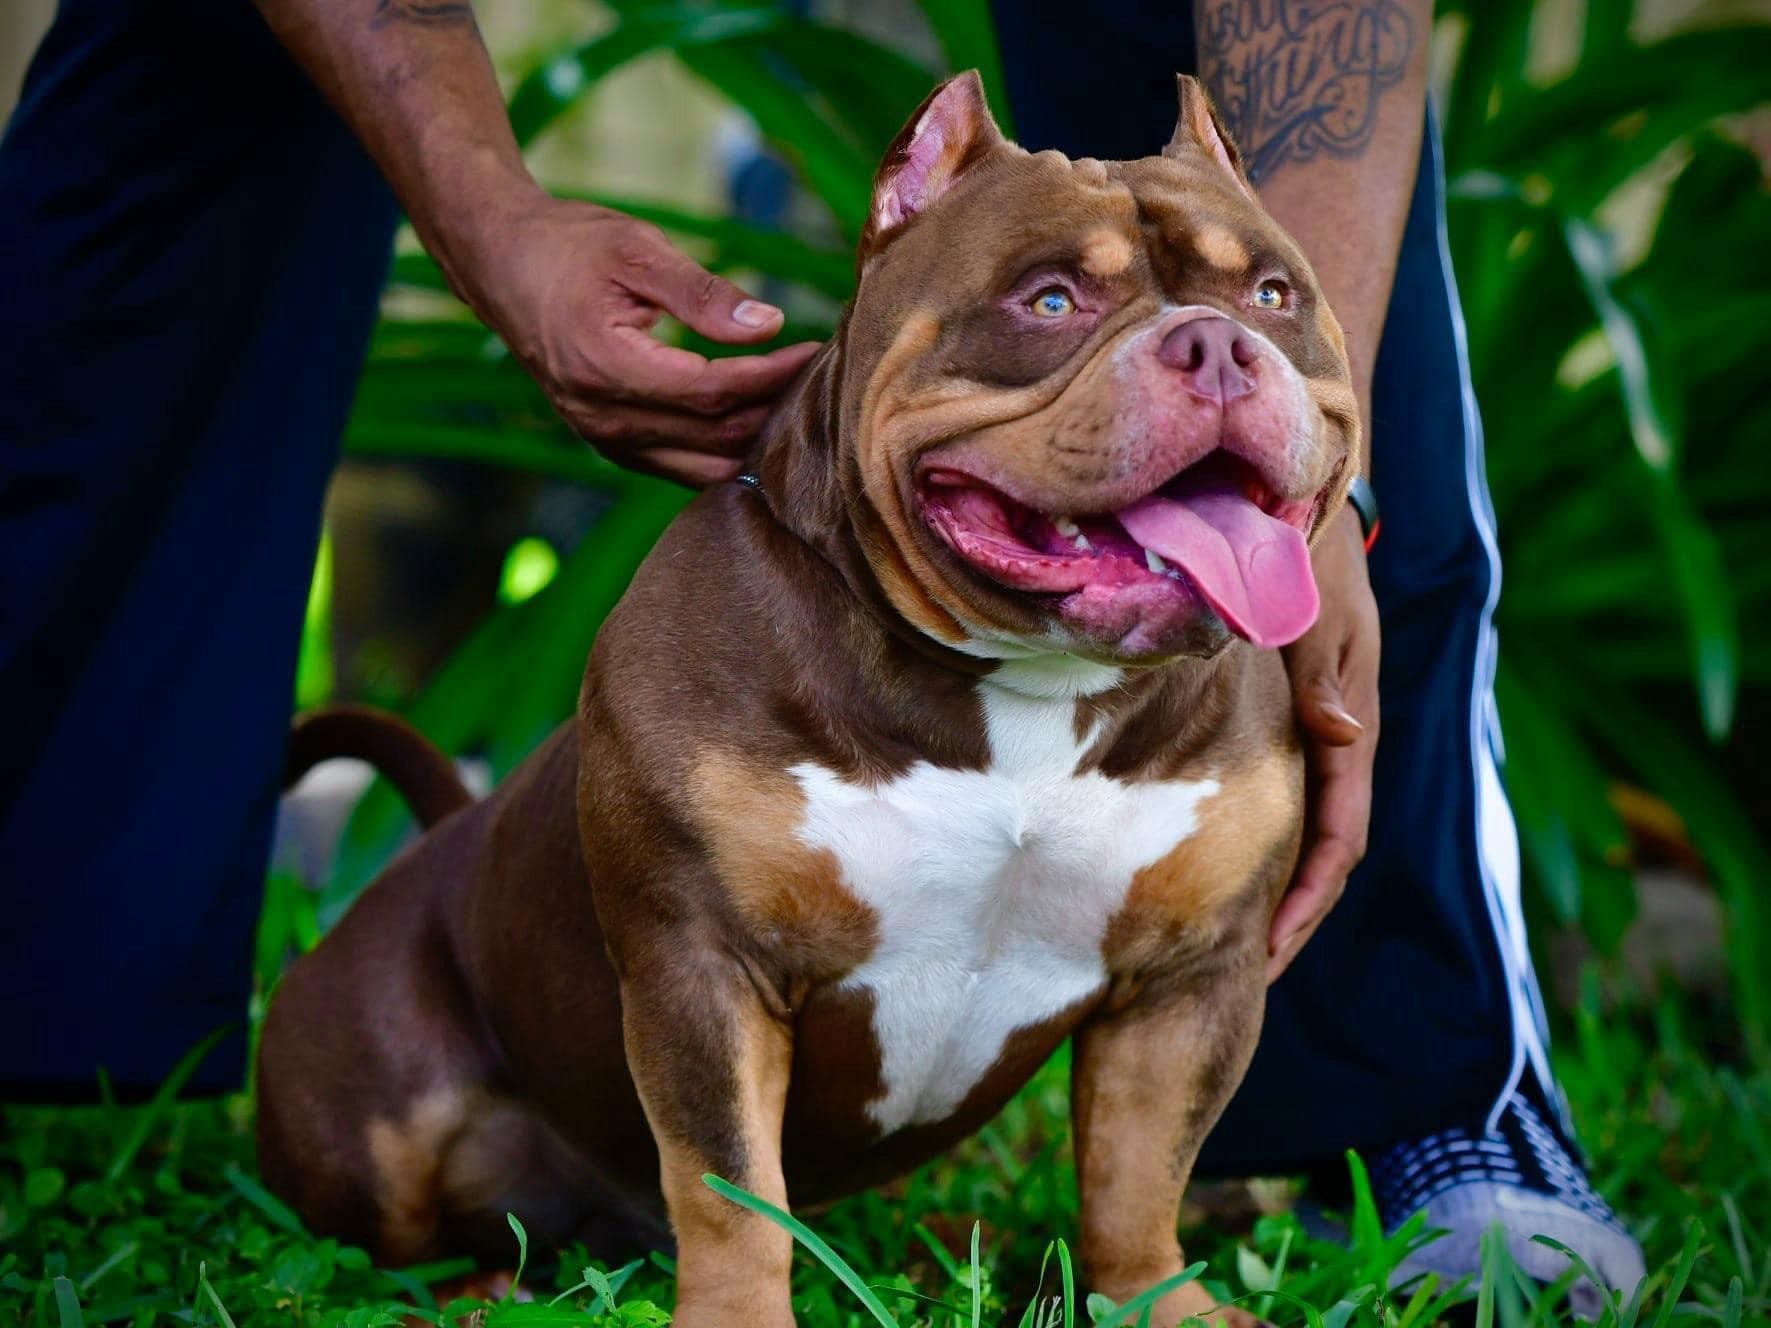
(1524,1176)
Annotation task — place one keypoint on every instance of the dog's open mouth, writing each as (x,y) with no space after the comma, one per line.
(1214,536)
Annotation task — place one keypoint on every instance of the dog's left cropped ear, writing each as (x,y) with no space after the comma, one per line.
(1200,128)
(950,133)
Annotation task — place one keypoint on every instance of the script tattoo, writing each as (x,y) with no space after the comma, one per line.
(1295,78)
(432,13)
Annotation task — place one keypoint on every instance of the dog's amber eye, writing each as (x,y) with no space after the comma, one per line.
(1053,302)
(1270,295)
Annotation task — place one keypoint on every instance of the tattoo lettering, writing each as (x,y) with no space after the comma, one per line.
(1295,78)
(431,13)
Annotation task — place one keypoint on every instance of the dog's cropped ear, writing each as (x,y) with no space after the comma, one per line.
(1201,129)
(950,133)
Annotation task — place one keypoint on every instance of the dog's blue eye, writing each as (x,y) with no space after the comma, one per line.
(1053,303)
(1270,295)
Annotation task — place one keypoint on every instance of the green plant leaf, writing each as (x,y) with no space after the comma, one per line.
(1144,1299)
(144,1119)
(811,1240)
(564,78)
(1699,575)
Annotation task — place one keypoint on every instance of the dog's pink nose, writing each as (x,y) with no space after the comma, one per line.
(1215,359)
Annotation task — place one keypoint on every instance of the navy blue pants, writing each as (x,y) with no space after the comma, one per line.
(193,249)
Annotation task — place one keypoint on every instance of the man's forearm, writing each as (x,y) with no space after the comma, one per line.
(1324,99)
(414,82)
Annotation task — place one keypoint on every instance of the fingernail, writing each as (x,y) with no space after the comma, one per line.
(1337,712)
(754,313)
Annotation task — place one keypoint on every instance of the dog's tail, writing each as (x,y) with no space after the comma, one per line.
(425,777)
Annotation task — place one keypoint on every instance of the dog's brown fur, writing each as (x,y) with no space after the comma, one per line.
(625,968)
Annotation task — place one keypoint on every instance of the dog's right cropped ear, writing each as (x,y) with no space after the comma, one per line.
(1200,128)
(949,134)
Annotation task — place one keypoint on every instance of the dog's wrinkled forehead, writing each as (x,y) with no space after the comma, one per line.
(964,220)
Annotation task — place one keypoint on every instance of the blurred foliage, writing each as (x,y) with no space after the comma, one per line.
(1625,424)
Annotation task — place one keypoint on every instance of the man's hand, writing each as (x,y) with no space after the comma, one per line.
(575,289)
(1333,670)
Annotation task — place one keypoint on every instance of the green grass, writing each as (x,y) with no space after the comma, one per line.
(153,1215)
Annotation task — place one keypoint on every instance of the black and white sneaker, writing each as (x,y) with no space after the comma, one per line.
(1525,1177)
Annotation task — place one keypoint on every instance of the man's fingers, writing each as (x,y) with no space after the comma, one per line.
(698,470)
(622,432)
(637,367)
(1319,884)
(1322,709)
(658,271)
(1341,817)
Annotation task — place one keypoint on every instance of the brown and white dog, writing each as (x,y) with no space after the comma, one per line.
(958,733)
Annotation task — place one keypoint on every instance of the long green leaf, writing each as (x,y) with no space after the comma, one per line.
(811,1240)
(145,1118)
(1144,1299)
(967,34)
(1661,91)
(1698,574)
(557,85)
(834,166)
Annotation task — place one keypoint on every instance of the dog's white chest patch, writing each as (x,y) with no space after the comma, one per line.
(993,891)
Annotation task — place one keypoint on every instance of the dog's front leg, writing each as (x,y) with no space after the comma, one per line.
(1149,1079)
(711,1061)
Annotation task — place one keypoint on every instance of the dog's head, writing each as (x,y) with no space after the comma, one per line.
(1098,408)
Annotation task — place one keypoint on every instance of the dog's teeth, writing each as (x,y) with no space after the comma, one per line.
(1154,563)
(1066,527)
(1081,542)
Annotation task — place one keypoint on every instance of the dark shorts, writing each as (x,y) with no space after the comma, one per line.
(192,250)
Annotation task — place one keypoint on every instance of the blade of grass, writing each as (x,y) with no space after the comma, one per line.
(977,1280)
(949,1264)
(275,1211)
(67,1304)
(1028,1316)
(1144,1299)
(516,1278)
(203,1288)
(148,1116)
(1586,1270)
(116,1257)
(811,1240)
(1694,1234)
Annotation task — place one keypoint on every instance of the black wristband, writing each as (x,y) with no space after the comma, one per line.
(1363,500)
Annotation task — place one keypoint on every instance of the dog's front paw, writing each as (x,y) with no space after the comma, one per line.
(1195,1302)
(693,1311)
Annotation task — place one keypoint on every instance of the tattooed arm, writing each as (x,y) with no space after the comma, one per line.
(1326,101)
(572,288)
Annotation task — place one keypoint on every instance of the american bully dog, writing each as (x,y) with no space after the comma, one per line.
(955,729)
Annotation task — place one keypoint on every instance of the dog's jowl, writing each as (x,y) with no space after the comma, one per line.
(958,732)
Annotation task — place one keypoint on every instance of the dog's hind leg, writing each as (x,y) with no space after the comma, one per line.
(381,1118)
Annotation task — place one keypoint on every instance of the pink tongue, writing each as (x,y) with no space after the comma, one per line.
(1253,569)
